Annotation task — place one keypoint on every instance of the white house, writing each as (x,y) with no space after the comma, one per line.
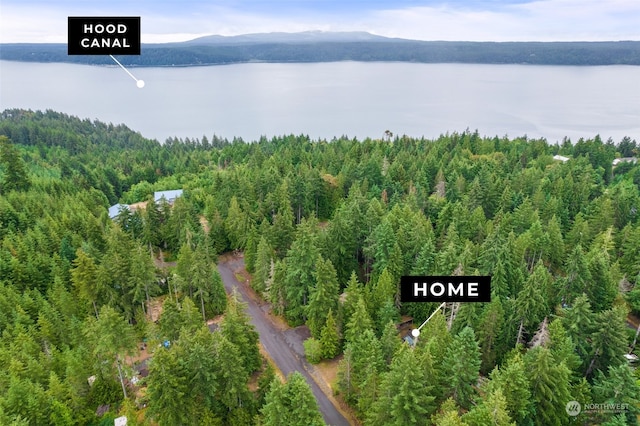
(561,158)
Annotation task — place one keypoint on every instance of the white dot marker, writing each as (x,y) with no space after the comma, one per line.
(415,332)
(139,83)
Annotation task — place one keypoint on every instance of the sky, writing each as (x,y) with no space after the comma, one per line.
(38,21)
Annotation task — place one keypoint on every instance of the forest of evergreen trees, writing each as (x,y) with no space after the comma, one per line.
(327,229)
(198,52)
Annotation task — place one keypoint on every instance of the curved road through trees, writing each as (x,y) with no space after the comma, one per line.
(279,347)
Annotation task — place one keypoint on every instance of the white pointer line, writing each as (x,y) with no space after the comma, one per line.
(139,83)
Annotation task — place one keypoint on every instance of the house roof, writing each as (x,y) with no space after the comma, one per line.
(115,209)
(624,160)
(170,195)
(561,158)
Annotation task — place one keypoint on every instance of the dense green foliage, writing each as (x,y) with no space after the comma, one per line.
(202,53)
(329,226)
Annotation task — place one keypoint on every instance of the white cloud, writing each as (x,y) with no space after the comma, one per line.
(25,24)
(542,20)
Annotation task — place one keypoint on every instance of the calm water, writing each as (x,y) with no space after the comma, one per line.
(334,99)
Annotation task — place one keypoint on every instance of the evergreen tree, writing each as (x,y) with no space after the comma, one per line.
(201,368)
(513,263)
(549,387)
(291,403)
(282,232)
(217,294)
(237,225)
(342,239)
(490,334)
(405,397)
(618,386)
(367,364)
(578,275)
(207,284)
(359,322)
(609,340)
(514,384)
(601,289)
(301,260)
(142,280)
(218,240)
(562,346)
(233,374)
(381,246)
(191,318)
(15,173)
(389,342)
(250,251)
(238,330)
(425,262)
(630,245)
(537,243)
(264,381)
(85,278)
(170,321)
(385,315)
(112,338)
(579,321)
(396,265)
(462,369)
(492,411)
(330,338)
(263,265)
(151,224)
(276,286)
(184,269)
(448,415)
(383,292)
(324,296)
(531,306)
(352,294)
(499,283)
(554,252)
(114,271)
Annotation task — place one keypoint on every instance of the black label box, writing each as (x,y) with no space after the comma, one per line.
(103,35)
(445,289)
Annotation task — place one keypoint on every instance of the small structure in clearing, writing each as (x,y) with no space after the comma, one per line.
(169,196)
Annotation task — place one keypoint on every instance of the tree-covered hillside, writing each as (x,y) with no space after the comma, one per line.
(327,229)
(268,49)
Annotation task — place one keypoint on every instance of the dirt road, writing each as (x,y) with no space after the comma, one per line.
(283,348)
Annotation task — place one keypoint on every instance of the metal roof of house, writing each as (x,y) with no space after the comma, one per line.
(170,195)
(115,209)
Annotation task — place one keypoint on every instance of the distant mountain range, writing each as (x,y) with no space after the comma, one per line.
(319,46)
(296,38)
